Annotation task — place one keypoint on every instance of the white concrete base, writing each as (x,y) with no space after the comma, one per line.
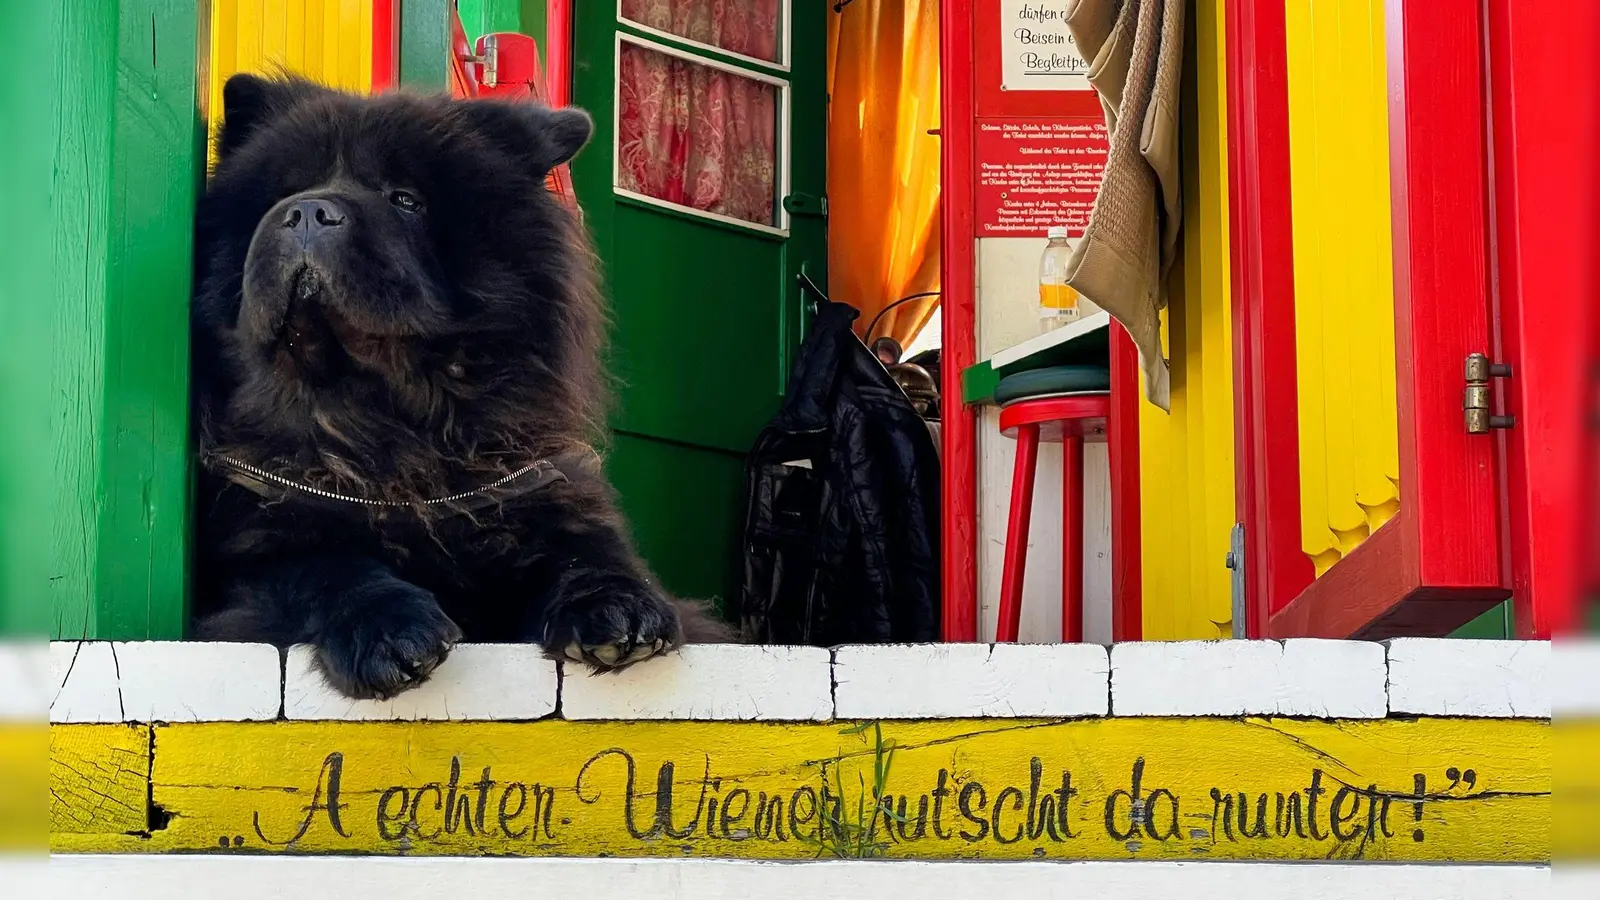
(271,878)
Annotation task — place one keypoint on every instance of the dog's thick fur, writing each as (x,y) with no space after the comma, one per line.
(390,305)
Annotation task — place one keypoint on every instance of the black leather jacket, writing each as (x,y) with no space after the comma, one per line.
(841,531)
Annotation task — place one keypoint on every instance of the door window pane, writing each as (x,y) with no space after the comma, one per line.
(697,135)
(747,27)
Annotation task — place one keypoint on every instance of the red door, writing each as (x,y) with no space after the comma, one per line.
(1484,263)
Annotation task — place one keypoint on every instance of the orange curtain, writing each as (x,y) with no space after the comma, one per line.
(883,165)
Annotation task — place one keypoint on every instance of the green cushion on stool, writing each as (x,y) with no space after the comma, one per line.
(1053,380)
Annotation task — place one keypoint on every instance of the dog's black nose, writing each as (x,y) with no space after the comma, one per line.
(313,215)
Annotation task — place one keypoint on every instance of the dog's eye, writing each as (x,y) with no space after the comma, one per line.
(405,200)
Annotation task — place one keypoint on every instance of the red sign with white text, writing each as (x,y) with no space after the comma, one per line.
(1037,172)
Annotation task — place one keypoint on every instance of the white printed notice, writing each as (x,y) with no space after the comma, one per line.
(1037,52)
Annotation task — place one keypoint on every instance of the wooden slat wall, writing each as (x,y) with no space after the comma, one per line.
(1187,458)
(327,40)
(1344,282)
(101,532)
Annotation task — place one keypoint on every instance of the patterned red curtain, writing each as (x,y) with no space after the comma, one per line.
(694,134)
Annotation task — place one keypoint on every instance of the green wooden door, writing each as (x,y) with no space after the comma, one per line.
(701,267)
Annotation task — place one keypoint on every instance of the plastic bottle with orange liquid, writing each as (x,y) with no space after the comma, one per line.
(1058,301)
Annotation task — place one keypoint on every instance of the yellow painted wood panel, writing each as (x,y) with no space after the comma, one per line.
(1186,458)
(1439,789)
(1344,282)
(329,41)
(99,779)
(24,748)
(1576,825)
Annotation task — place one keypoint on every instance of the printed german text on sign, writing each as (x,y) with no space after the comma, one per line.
(1037,51)
(1034,173)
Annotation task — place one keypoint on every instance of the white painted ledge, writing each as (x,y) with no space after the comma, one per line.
(24,681)
(1487,679)
(1575,678)
(715,682)
(510,682)
(199,682)
(1314,678)
(950,681)
(190,682)
(97,681)
(83,682)
(113,877)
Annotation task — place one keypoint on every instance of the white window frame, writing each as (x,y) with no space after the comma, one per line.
(781,214)
(782,64)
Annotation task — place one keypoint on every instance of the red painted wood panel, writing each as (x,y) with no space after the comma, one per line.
(384,50)
(1437,564)
(1267,489)
(1127,547)
(558,51)
(1438,175)
(1547,240)
(958,271)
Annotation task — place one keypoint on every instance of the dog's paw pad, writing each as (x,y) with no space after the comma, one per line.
(611,628)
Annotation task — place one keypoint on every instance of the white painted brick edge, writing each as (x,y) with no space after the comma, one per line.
(476,682)
(949,681)
(1312,678)
(24,681)
(173,682)
(1575,678)
(1481,679)
(711,682)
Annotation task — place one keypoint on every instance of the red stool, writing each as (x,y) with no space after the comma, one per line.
(1070,420)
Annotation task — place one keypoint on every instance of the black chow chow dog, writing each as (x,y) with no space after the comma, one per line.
(396,335)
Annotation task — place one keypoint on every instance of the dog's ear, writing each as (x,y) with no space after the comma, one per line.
(249,102)
(542,136)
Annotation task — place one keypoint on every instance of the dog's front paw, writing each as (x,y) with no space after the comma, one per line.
(610,622)
(388,647)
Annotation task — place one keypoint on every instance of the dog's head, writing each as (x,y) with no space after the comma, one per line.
(377,272)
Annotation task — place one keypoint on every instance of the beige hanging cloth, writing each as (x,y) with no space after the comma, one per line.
(1135,54)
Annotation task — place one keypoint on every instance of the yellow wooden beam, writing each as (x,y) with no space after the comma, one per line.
(1460,790)
(99,779)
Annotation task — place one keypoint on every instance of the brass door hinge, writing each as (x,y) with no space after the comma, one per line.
(1476,399)
(488,62)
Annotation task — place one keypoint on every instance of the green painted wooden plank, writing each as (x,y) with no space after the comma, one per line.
(425,44)
(1496,624)
(30,513)
(472,14)
(533,22)
(978,383)
(158,166)
(481,17)
(105,531)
